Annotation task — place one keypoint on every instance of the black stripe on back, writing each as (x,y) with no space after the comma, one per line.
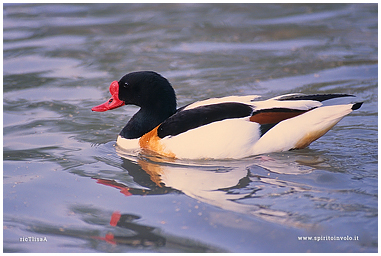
(317,97)
(279,110)
(185,120)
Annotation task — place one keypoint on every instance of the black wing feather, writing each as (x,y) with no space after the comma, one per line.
(185,120)
(317,97)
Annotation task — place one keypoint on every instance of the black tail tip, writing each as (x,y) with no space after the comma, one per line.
(357,105)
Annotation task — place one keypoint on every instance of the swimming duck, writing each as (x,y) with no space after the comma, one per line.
(218,128)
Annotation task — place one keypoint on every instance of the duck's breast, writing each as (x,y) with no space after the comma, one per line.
(229,138)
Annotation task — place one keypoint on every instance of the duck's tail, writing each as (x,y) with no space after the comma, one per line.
(300,131)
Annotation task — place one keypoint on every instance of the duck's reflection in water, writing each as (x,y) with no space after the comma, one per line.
(225,184)
(143,235)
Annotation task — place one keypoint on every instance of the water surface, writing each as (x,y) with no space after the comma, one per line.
(67,184)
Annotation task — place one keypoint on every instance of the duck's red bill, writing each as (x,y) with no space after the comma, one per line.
(113,102)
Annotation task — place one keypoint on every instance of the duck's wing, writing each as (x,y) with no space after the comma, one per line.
(192,118)
(266,113)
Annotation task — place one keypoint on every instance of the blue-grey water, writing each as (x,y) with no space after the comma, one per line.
(66,188)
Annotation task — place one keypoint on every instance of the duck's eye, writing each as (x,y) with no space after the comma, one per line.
(125,85)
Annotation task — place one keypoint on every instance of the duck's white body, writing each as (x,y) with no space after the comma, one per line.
(240,137)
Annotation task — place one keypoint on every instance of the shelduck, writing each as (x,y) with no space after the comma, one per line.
(218,128)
